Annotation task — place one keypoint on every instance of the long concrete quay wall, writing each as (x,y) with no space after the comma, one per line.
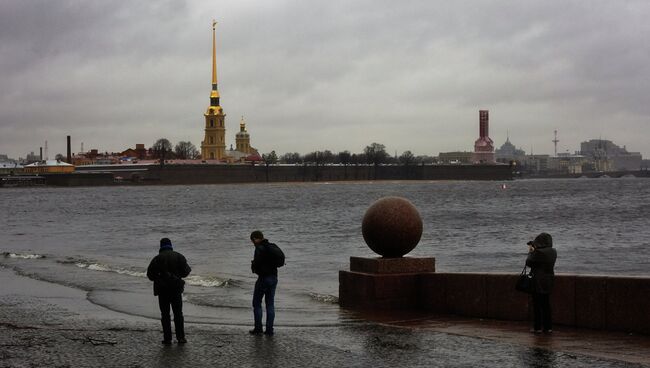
(212,174)
(599,302)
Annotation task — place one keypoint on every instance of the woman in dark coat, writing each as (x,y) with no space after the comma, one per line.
(541,260)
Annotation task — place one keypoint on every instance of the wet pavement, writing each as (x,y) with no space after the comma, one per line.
(57,327)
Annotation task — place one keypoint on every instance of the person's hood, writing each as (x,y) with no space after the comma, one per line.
(543,240)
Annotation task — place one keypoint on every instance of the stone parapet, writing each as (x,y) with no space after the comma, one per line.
(599,302)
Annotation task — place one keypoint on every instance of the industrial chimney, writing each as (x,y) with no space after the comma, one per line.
(69,152)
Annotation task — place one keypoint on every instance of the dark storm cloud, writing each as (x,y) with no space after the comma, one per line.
(317,75)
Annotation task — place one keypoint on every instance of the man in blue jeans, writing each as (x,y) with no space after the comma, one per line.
(264,266)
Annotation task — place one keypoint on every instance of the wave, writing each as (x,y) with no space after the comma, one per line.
(208,281)
(105,268)
(324,298)
(195,280)
(22,256)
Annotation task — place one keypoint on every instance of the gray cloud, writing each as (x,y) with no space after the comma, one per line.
(325,75)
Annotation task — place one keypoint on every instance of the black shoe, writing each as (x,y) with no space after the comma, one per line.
(167,342)
(548,331)
(268,333)
(255,331)
(182,340)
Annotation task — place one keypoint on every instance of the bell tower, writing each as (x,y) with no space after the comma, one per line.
(213,146)
(243,139)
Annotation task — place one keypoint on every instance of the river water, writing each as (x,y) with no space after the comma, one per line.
(101,239)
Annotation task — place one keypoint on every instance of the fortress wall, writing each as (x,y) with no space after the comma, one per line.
(214,174)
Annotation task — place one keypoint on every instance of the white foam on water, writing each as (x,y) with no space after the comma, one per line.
(23,256)
(206,281)
(324,298)
(191,280)
(105,268)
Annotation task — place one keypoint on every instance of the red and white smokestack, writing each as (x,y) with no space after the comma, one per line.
(484,146)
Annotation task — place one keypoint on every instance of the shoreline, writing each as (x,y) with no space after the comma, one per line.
(45,324)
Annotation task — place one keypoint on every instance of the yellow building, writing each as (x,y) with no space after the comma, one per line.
(49,167)
(213,146)
(243,139)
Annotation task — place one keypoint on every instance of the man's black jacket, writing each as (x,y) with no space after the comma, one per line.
(166,271)
(263,263)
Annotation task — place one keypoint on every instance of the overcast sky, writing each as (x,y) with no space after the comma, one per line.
(335,75)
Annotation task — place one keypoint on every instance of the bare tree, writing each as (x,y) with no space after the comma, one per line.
(185,150)
(406,158)
(375,153)
(270,158)
(161,149)
(291,158)
(344,158)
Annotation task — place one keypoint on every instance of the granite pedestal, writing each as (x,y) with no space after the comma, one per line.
(383,283)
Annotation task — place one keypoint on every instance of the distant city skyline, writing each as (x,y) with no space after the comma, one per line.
(333,75)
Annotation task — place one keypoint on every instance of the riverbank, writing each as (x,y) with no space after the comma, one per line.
(45,324)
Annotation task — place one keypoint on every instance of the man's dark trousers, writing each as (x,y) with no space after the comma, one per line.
(264,287)
(176,302)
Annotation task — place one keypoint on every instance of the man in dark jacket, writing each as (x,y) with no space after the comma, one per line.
(166,270)
(541,260)
(267,279)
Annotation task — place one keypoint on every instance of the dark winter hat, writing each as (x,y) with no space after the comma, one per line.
(543,240)
(165,243)
(257,235)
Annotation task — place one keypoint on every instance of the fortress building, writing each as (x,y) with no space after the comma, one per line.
(213,146)
(484,146)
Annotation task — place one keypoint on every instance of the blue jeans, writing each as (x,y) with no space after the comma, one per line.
(264,288)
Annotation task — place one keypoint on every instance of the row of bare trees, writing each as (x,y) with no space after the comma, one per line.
(373,154)
(183,150)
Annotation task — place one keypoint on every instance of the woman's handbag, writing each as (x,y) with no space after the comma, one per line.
(525,282)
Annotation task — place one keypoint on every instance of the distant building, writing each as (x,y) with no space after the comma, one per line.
(243,139)
(243,152)
(9,166)
(49,166)
(567,163)
(31,157)
(484,146)
(139,152)
(455,157)
(536,163)
(608,156)
(508,152)
(645,164)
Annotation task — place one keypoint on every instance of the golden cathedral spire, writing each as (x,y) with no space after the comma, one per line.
(214,94)
(213,146)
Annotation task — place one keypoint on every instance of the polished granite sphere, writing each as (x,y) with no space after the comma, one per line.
(392,227)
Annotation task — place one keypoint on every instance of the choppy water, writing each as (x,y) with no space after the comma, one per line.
(101,239)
